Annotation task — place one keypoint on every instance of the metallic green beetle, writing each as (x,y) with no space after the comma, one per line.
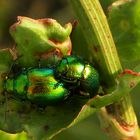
(72,70)
(48,86)
(37,85)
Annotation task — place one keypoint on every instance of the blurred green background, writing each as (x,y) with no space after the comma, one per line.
(60,10)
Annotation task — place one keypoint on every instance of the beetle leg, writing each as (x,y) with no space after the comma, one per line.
(56,85)
(84,95)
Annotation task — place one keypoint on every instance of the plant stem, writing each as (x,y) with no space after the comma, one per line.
(91,22)
(97,33)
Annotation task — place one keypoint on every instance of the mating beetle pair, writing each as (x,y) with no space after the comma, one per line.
(48,86)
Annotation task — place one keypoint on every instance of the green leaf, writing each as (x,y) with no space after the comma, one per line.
(43,38)
(127,81)
(84,113)
(17,116)
(124,22)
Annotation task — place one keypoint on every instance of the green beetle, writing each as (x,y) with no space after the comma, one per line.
(37,85)
(74,71)
(49,86)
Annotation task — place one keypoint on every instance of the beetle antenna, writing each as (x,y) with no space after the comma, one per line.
(13,64)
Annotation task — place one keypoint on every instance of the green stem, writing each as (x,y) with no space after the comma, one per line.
(90,14)
(95,28)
